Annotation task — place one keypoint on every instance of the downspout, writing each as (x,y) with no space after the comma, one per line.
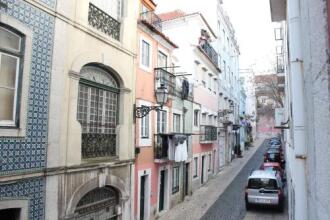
(298,106)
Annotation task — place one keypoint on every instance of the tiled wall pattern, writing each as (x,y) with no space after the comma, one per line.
(19,154)
(32,189)
(29,153)
(49,3)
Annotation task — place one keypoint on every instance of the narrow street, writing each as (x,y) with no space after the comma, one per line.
(231,205)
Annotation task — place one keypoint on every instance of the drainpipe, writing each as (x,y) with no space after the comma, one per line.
(298,106)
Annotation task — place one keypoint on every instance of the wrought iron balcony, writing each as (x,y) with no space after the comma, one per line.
(163,77)
(98,141)
(161,147)
(210,52)
(151,18)
(166,147)
(208,133)
(103,22)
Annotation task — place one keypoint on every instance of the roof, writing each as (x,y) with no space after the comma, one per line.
(172,15)
(263,174)
(161,34)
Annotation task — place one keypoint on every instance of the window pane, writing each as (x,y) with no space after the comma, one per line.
(8,69)
(9,40)
(7,104)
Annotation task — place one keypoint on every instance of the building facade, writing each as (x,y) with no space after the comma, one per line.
(90,164)
(199,60)
(163,135)
(27,31)
(306,119)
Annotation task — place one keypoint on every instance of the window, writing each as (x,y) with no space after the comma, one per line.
(204,119)
(145,127)
(196,114)
(176,122)
(11,56)
(210,162)
(162,59)
(224,69)
(210,122)
(161,121)
(97,112)
(215,86)
(111,7)
(145,54)
(195,167)
(209,81)
(175,179)
(215,120)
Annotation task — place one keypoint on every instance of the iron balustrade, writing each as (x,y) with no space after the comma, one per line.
(161,147)
(208,133)
(163,77)
(103,22)
(151,18)
(210,52)
(99,143)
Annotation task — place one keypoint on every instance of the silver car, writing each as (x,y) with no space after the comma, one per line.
(264,188)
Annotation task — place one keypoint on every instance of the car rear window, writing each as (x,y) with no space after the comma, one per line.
(258,183)
(271,168)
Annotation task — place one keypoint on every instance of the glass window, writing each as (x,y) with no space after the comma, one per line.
(10,58)
(145,54)
(195,167)
(210,122)
(162,59)
(111,7)
(175,179)
(161,121)
(97,113)
(145,127)
(204,119)
(196,114)
(176,122)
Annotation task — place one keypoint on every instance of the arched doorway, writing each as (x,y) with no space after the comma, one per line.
(98,204)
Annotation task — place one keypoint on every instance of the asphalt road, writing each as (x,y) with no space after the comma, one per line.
(231,205)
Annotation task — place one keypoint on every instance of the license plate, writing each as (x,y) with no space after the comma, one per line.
(263,200)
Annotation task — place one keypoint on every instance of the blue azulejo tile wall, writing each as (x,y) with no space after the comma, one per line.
(32,190)
(29,153)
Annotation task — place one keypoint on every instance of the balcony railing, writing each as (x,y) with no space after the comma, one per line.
(210,52)
(103,22)
(151,18)
(161,147)
(163,77)
(165,147)
(208,133)
(98,140)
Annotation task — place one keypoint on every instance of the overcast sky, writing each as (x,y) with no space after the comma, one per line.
(254,31)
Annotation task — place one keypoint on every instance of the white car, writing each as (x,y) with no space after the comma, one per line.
(264,188)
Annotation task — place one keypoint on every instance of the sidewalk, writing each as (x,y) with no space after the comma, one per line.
(196,205)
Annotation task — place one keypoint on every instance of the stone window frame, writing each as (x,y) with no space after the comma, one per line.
(20,129)
(22,204)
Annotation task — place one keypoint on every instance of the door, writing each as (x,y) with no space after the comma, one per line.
(186,179)
(203,164)
(162,191)
(142,197)
(222,157)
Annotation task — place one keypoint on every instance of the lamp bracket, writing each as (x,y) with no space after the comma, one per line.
(142,111)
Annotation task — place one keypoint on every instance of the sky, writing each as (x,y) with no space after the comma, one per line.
(254,30)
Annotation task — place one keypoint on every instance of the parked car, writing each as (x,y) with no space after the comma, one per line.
(275,147)
(274,155)
(274,166)
(264,188)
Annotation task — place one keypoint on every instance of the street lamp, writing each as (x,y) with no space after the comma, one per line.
(161,98)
